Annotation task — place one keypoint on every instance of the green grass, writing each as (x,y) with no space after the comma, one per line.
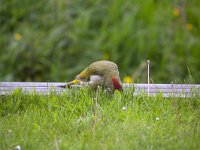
(74,120)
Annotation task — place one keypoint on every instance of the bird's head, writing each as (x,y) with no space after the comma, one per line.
(116,83)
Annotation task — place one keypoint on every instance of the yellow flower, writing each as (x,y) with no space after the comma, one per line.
(18,37)
(106,56)
(128,79)
(176,12)
(189,26)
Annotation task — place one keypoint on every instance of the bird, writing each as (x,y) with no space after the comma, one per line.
(102,73)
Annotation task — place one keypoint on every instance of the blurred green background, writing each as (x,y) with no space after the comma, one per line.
(53,40)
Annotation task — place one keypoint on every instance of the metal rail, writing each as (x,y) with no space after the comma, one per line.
(168,90)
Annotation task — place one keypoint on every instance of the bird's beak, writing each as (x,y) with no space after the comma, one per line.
(75,81)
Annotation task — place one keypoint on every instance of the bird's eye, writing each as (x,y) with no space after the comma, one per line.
(95,73)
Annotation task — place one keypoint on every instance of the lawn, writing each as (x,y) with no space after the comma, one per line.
(82,119)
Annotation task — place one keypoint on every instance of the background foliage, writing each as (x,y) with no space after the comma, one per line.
(52,40)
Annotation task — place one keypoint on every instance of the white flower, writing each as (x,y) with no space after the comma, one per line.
(124,108)
(157,118)
(18,147)
(9,131)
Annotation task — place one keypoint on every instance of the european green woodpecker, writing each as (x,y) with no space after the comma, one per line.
(100,73)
